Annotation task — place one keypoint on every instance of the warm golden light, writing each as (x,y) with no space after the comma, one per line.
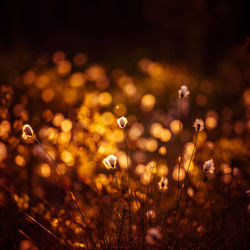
(176,126)
(147,102)
(180,173)
(45,170)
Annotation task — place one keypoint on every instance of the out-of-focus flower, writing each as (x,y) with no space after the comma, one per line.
(208,166)
(163,184)
(153,236)
(183,91)
(150,214)
(122,122)
(198,125)
(27,132)
(110,162)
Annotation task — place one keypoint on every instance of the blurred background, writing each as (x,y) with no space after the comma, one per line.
(197,33)
(71,68)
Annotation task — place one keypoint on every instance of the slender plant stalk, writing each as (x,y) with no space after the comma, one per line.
(179,158)
(192,155)
(25,235)
(121,228)
(145,207)
(10,192)
(129,189)
(47,230)
(69,192)
(116,182)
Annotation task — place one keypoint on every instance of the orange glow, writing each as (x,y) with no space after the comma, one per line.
(176,172)
(211,123)
(190,164)
(58,56)
(246,97)
(176,126)
(108,118)
(70,96)
(129,89)
(29,77)
(5,128)
(151,145)
(77,80)
(146,178)
(136,131)
(156,129)
(57,120)
(95,73)
(48,95)
(120,109)
(147,102)
(105,99)
(42,81)
(140,169)
(67,157)
(66,125)
(20,160)
(165,135)
(162,150)
(45,170)
(162,170)
(63,68)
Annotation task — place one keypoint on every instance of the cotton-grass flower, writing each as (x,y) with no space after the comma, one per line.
(150,214)
(27,132)
(198,125)
(163,184)
(208,166)
(110,162)
(183,92)
(122,122)
(153,236)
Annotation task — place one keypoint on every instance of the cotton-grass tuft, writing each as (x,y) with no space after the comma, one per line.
(27,132)
(163,184)
(208,166)
(151,214)
(122,122)
(198,125)
(110,162)
(153,236)
(183,92)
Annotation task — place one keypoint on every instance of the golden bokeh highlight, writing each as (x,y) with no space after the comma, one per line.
(177,173)
(77,80)
(147,102)
(120,109)
(105,99)
(48,95)
(176,126)
(66,125)
(211,122)
(63,68)
(165,135)
(45,170)
(20,161)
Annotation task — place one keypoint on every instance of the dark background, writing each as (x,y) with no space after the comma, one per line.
(196,33)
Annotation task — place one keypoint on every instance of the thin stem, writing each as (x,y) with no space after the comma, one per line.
(69,191)
(121,228)
(116,182)
(145,207)
(47,230)
(179,158)
(195,141)
(129,190)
